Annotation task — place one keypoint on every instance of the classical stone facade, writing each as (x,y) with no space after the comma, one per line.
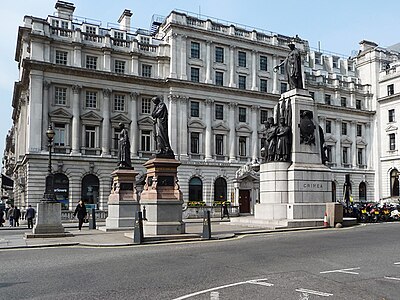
(218,83)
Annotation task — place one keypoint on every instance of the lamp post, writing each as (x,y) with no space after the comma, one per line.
(49,191)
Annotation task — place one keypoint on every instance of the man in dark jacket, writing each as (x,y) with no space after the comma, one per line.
(16,215)
(29,215)
(80,212)
(1,217)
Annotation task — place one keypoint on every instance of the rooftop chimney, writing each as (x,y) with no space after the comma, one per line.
(125,20)
(65,10)
(365,45)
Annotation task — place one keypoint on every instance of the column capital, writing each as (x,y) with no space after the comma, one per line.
(184,99)
(255,107)
(231,47)
(46,84)
(107,93)
(209,101)
(338,120)
(232,104)
(174,35)
(134,95)
(173,97)
(76,88)
(322,118)
(208,42)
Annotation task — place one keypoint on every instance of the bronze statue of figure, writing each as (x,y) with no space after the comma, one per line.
(124,148)
(271,139)
(292,64)
(283,144)
(160,117)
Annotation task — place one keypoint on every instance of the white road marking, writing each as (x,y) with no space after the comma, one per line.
(254,281)
(392,278)
(323,294)
(214,296)
(397,263)
(347,271)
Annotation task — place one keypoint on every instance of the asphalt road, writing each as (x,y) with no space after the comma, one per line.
(362,262)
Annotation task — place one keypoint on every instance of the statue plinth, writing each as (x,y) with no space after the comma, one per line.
(162,198)
(48,220)
(122,201)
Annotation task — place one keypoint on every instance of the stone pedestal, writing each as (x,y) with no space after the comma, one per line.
(162,198)
(122,201)
(48,220)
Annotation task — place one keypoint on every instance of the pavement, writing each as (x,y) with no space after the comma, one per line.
(15,237)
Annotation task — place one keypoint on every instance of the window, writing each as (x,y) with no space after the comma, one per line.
(391,115)
(146,70)
(119,102)
(328,126)
(263,63)
(146,105)
(219,111)
(195,74)
(117,132)
(119,66)
(145,40)
(219,144)
(392,141)
(359,130)
(219,78)
(242,59)
(344,128)
(220,189)
(390,89)
(195,189)
(242,146)
(242,82)
(394,183)
(219,54)
(60,96)
(195,50)
(59,137)
(343,101)
(194,109)
(283,87)
(282,68)
(91,62)
(329,153)
(360,160)
(118,38)
(194,142)
(345,158)
(358,104)
(263,116)
(91,99)
(61,57)
(145,140)
(317,59)
(263,85)
(312,94)
(328,99)
(335,63)
(90,136)
(242,114)
(91,30)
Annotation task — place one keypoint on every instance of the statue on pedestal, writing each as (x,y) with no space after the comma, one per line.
(292,65)
(124,148)
(271,139)
(160,117)
(284,144)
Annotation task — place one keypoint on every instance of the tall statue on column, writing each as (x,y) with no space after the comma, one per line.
(160,117)
(124,148)
(292,64)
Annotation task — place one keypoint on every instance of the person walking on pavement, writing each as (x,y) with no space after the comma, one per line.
(10,216)
(1,217)
(29,215)
(80,212)
(16,215)
(225,212)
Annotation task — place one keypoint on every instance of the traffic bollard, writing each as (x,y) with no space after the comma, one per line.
(92,220)
(207,225)
(138,229)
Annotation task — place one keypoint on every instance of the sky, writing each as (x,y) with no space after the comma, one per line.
(336,26)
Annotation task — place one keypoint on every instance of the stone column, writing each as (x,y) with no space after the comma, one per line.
(45,118)
(254,70)
(232,69)
(75,132)
(183,57)
(77,56)
(232,132)
(35,111)
(172,121)
(105,143)
(134,132)
(107,60)
(208,136)
(254,135)
(135,64)
(338,135)
(208,62)
(367,151)
(354,144)
(172,72)
(275,89)
(183,149)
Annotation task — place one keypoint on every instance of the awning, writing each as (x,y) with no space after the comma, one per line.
(6,182)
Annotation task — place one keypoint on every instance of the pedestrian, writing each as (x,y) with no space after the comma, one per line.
(225,212)
(80,212)
(16,215)
(1,217)
(29,215)
(10,216)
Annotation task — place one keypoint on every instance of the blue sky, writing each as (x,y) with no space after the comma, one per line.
(337,25)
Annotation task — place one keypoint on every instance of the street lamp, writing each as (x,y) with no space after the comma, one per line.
(49,191)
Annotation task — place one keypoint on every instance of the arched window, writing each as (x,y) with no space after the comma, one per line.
(394,183)
(333,191)
(195,189)
(90,189)
(362,191)
(220,189)
(61,189)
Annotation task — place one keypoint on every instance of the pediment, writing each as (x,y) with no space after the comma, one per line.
(330,138)
(146,121)
(391,127)
(196,124)
(361,141)
(346,140)
(221,126)
(244,128)
(91,116)
(120,118)
(60,113)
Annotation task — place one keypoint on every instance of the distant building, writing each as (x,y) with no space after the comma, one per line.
(218,82)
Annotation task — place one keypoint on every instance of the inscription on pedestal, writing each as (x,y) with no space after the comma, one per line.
(311,186)
(165,181)
(126,186)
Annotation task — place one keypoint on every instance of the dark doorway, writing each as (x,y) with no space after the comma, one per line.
(362,192)
(195,189)
(244,201)
(394,183)
(61,189)
(220,189)
(90,189)
(333,191)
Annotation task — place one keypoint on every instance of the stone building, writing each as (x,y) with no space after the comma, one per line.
(218,82)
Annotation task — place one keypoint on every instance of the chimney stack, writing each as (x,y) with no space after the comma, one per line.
(125,20)
(65,10)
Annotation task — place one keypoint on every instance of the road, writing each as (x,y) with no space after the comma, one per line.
(362,262)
